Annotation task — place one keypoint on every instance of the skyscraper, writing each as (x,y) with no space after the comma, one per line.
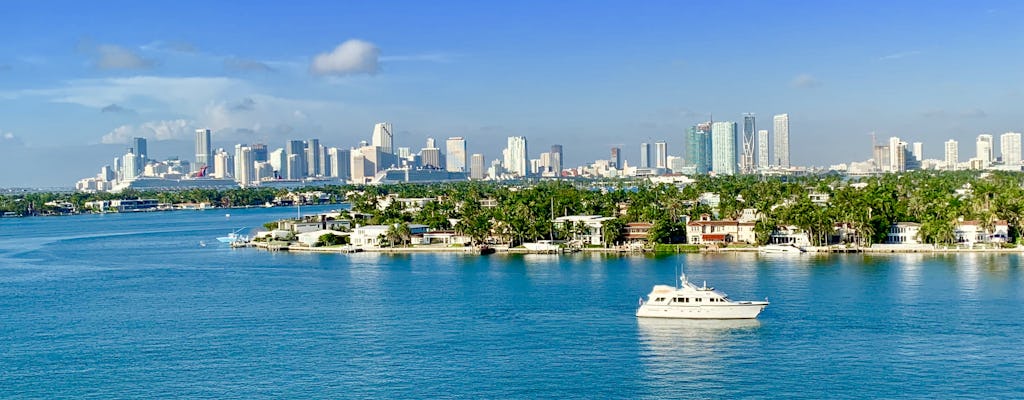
(130,167)
(279,162)
(298,149)
(897,152)
(616,158)
(139,148)
(312,150)
(204,151)
(723,148)
(476,166)
(781,125)
(661,155)
(382,136)
(952,155)
(1009,144)
(556,159)
(455,159)
(516,161)
(985,149)
(762,149)
(918,151)
(221,160)
(747,151)
(698,147)
(341,162)
(245,166)
(430,156)
(645,155)
(259,152)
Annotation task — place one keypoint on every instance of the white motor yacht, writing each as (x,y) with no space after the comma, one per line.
(542,246)
(690,301)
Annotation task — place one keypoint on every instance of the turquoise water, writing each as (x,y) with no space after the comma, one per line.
(132,306)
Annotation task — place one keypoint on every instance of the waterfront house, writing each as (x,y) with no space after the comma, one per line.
(312,237)
(370,235)
(584,228)
(969,233)
(789,234)
(903,233)
(636,232)
(707,231)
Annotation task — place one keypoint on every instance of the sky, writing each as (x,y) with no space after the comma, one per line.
(78,80)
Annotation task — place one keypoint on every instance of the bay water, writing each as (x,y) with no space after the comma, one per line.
(151,305)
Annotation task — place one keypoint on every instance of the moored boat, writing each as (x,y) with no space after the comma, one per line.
(780,248)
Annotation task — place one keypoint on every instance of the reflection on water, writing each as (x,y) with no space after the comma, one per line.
(693,354)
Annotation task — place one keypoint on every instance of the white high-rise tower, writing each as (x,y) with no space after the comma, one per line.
(204,151)
(762,149)
(781,125)
(985,149)
(723,148)
(455,159)
(515,159)
(661,155)
(952,155)
(382,136)
(1009,146)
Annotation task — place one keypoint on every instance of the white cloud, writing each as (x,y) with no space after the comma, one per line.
(354,56)
(155,130)
(805,81)
(180,95)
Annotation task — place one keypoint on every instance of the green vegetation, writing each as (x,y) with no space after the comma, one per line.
(517,214)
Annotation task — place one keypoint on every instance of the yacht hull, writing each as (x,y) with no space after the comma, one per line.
(737,310)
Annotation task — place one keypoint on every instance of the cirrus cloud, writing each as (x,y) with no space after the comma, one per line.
(354,56)
(805,81)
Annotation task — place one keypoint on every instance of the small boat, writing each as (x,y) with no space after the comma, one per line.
(780,248)
(542,246)
(689,301)
(233,237)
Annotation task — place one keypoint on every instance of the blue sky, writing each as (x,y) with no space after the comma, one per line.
(77,80)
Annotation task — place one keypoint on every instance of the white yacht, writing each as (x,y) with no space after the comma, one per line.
(780,248)
(690,301)
(233,237)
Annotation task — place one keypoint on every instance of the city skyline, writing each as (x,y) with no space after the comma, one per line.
(78,94)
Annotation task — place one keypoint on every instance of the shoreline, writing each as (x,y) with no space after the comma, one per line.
(519,250)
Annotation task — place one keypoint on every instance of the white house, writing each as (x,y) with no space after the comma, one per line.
(789,234)
(591,234)
(970,232)
(369,235)
(706,231)
(310,238)
(904,233)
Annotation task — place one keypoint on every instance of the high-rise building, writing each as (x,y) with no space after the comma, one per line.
(661,155)
(762,149)
(245,166)
(295,148)
(476,166)
(139,148)
(312,150)
(358,167)
(516,162)
(455,159)
(985,149)
(897,152)
(259,152)
(918,151)
(341,163)
(130,166)
(723,148)
(278,161)
(382,136)
(430,156)
(1009,146)
(781,125)
(675,164)
(204,150)
(698,147)
(747,143)
(221,161)
(404,152)
(952,155)
(616,159)
(645,155)
(556,159)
